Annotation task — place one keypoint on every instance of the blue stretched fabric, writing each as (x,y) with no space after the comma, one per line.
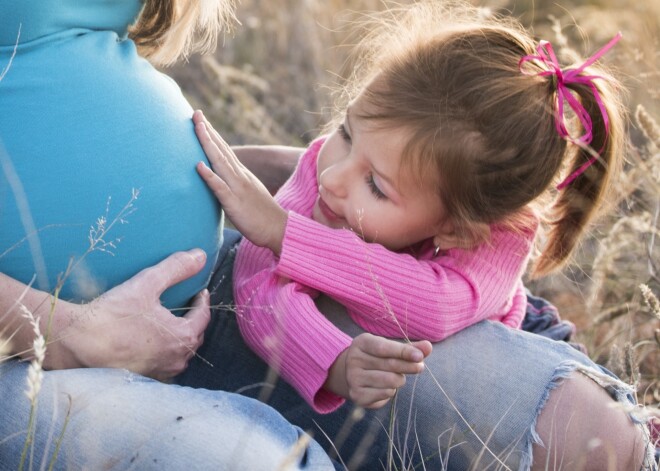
(84,124)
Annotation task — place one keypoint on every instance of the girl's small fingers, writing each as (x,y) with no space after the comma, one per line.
(216,148)
(223,147)
(228,153)
(379,380)
(393,365)
(377,404)
(213,154)
(217,185)
(423,346)
(401,367)
(373,398)
(386,348)
(214,136)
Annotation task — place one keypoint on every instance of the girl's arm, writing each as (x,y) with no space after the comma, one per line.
(280,322)
(387,293)
(126,327)
(397,295)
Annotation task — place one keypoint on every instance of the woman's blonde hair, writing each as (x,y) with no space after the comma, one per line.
(169,29)
(451,76)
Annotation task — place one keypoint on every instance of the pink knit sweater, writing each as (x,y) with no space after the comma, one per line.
(406,294)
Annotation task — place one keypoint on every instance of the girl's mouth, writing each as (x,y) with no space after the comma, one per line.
(329,214)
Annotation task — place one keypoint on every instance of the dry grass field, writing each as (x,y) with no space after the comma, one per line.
(272,82)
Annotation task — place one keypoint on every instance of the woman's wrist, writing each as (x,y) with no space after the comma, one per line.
(63,348)
(22,307)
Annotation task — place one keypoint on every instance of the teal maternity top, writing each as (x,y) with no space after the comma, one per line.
(97,153)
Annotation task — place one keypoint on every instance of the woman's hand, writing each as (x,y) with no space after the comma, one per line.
(371,370)
(246,201)
(127,327)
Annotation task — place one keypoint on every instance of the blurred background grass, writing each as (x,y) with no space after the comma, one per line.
(271,82)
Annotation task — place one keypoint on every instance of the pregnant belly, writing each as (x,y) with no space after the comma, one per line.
(98,178)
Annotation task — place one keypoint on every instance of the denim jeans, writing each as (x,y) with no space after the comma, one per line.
(113,419)
(474,407)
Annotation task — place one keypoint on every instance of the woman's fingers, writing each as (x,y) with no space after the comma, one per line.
(199,316)
(128,327)
(176,268)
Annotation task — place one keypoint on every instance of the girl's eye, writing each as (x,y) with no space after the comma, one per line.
(343,133)
(374,188)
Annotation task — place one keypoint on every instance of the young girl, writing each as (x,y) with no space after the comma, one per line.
(419,211)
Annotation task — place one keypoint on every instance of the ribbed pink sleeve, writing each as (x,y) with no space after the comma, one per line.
(391,294)
(398,295)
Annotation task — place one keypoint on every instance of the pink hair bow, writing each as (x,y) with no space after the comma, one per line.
(546,55)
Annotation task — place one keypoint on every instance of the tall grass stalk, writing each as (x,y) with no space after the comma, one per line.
(34,380)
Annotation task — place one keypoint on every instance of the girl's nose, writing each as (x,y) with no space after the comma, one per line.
(334,179)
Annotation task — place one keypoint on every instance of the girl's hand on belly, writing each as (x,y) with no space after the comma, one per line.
(247,202)
(127,327)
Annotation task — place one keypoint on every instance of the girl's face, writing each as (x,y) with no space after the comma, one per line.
(363,187)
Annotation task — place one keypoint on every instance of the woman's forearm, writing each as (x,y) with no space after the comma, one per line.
(15,325)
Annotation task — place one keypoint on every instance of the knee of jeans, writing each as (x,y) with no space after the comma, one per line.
(583,427)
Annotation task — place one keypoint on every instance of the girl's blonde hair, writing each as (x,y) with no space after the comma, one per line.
(169,29)
(451,76)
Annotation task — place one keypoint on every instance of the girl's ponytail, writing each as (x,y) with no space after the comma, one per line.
(594,162)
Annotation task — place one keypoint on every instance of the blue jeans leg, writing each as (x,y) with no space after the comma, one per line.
(113,419)
(474,407)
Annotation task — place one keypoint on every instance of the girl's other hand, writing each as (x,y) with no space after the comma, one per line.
(127,327)
(246,201)
(371,370)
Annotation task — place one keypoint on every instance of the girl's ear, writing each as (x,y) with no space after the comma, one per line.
(448,238)
(446,241)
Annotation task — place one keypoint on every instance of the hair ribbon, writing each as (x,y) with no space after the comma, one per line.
(546,56)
